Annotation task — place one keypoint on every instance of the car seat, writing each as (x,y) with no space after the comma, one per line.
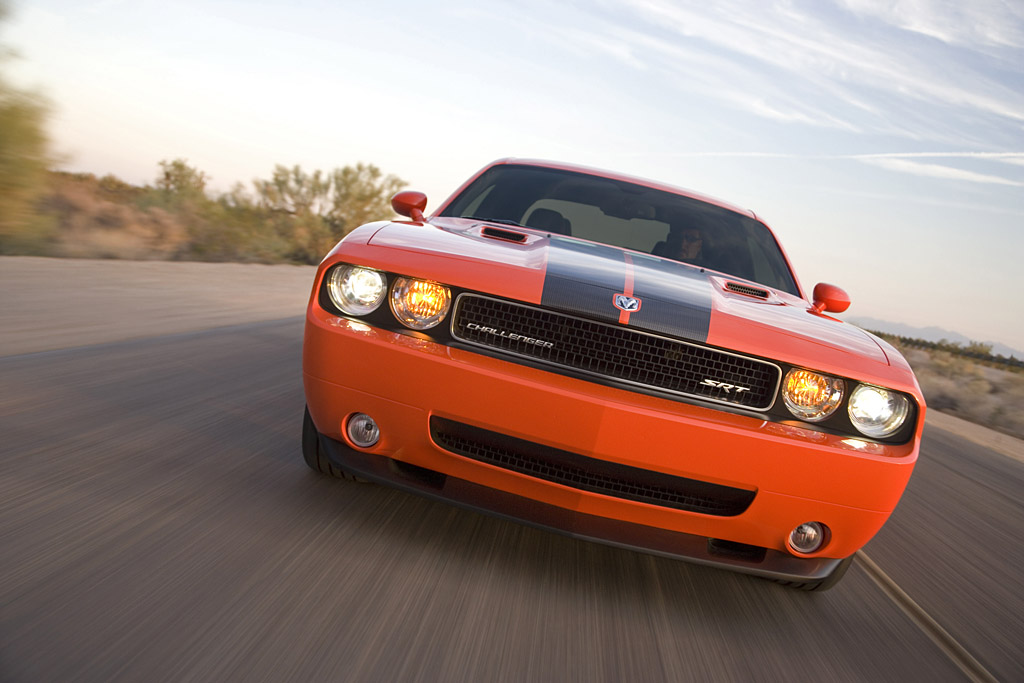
(549,220)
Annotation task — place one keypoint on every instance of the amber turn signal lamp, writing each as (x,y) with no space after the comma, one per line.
(810,395)
(419,304)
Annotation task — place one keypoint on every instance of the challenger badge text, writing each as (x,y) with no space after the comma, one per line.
(510,335)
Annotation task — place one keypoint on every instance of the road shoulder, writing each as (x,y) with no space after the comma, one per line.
(1003,444)
(50,304)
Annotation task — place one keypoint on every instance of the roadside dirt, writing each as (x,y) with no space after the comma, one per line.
(1009,446)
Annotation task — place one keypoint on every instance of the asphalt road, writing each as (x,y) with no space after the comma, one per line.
(157,523)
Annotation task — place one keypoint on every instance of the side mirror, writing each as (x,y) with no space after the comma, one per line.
(830,298)
(410,203)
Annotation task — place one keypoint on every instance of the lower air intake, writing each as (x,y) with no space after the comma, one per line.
(588,474)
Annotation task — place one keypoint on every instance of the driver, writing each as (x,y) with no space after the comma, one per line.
(685,244)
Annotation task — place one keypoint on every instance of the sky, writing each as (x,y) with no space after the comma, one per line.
(882,140)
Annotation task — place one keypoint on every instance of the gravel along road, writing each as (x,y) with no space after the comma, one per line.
(157,523)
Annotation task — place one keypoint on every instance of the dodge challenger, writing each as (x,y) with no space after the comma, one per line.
(611,358)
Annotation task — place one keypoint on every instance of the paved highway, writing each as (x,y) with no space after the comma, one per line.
(157,523)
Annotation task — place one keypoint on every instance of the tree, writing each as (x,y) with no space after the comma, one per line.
(24,158)
(318,209)
(179,179)
(979,348)
(296,192)
(362,193)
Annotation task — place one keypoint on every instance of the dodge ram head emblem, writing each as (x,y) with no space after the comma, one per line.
(626,303)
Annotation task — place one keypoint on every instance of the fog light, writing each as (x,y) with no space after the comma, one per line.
(362,430)
(807,537)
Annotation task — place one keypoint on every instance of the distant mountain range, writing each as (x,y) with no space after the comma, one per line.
(932,334)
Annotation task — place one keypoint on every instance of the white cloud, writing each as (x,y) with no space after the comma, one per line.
(588,42)
(966,23)
(798,62)
(1010,157)
(893,163)
(1016,157)
(820,58)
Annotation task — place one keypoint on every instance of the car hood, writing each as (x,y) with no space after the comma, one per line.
(661,296)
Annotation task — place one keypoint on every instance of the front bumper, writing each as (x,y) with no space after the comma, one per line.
(798,475)
(771,564)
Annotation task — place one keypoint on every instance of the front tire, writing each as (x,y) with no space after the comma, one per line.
(313,453)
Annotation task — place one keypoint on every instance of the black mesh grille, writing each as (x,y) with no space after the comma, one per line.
(615,352)
(588,474)
(747,289)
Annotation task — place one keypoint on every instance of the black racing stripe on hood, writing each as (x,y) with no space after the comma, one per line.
(583,278)
(676,298)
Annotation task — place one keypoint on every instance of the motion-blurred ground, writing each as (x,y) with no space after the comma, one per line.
(50,303)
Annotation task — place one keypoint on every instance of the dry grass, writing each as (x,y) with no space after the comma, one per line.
(959,386)
(82,216)
(295,218)
(92,222)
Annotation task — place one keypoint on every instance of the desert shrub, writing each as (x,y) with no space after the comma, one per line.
(989,396)
(24,159)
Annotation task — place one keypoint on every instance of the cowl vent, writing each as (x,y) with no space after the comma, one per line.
(747,290)
(502,234)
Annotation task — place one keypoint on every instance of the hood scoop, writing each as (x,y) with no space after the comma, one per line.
(503,234)
(747,290)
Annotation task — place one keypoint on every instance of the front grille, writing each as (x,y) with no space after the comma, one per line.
(588,474)
(615,352)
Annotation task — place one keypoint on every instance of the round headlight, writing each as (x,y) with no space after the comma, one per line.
(810,395)
(355,290)
(877,412)
(419,304)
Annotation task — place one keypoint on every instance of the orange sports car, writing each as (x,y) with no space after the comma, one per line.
(614,359)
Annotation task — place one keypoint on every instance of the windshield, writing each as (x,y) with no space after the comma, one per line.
(627,215)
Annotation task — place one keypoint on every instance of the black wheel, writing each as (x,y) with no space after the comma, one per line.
(824,584)
(314,454)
